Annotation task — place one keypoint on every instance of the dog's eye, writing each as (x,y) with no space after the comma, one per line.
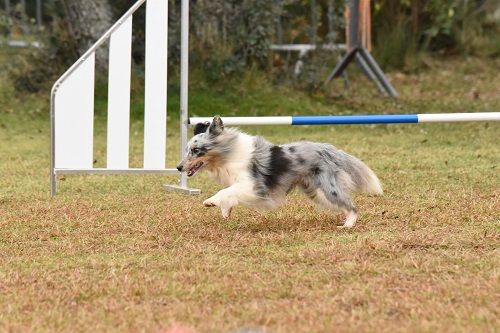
(195,150)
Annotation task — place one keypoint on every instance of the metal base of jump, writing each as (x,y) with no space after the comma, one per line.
(181,189)
(356,119)
(369,67)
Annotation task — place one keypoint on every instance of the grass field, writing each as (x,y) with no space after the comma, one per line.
(118,254)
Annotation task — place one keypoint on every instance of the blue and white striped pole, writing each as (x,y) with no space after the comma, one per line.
(355,119)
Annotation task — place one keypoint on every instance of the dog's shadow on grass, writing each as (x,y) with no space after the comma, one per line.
(287,219)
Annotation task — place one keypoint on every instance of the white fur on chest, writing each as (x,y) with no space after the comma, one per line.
(236,170)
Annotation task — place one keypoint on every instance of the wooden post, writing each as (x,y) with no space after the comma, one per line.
(366,24)
(358,23)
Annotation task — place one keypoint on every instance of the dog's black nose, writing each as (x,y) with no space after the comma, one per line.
(179,167)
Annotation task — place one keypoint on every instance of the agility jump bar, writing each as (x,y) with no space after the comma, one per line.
(355,119)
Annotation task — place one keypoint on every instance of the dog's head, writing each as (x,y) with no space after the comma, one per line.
(203,150)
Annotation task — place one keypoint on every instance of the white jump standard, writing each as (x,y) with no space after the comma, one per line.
(72,101)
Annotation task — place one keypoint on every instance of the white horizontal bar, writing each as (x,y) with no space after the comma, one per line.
(354,119)
(452,117)
(305,47)
(21,44)
(231,121)
(98,171)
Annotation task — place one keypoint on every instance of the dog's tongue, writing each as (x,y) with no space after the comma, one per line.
(194,169)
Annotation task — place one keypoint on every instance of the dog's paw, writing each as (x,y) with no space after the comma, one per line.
(209,203)
(226,212)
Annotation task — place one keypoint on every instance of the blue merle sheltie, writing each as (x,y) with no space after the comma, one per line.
(258,174)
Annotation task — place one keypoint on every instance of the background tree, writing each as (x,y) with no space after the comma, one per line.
(87,21)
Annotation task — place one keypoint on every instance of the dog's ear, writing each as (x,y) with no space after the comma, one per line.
(201,128)
(216,127)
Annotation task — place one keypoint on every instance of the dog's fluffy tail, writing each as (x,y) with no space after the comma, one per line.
(364,178)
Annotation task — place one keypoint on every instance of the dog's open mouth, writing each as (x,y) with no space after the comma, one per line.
(194,169)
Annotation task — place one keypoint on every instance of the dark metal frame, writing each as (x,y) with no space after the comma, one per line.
(362,56)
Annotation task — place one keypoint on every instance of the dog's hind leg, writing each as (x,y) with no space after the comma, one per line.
(338,192)
(327,194)
(332,200)
(351,218)
(317,195)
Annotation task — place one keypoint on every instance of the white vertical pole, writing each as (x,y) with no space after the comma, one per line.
(53,178)
(184,83)
(155,97)
(120,65)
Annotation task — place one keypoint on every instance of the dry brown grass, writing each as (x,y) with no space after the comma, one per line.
(118,254)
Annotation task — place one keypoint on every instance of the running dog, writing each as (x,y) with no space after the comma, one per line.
(258,174)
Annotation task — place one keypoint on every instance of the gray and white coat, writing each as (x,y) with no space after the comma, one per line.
(258,174)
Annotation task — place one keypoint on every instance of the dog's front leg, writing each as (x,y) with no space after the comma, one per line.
(226,199)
